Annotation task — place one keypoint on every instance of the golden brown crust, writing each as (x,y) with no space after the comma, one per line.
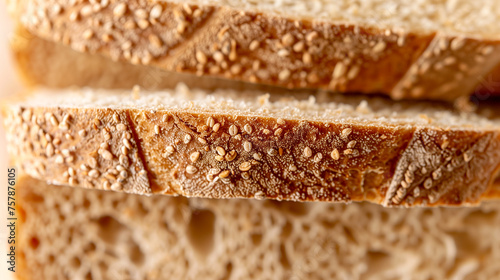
(266,48)
(181,152)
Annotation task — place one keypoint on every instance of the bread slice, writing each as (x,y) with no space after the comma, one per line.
(73,233)
(407,49)
(231,144)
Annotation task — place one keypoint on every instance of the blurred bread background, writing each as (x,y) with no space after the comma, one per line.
(9,85)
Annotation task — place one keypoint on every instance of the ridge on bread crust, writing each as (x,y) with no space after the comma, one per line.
(73,233)
(442,60)
(230,144)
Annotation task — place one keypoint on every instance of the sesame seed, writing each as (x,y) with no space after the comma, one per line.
(141,13)
(218,56)
(307,58)
(94,173)
(219,158)
(280,121)
(351,144)
(231,155)
(416,192)
(202,141)
(379,47)
(50,150)
(169,150)
(278,132)
(235,69)
(214,171)
(71,172)
(87,34)
(467,157)
(401,193)
(124,150)
(245,175)
(53,120)
(201,57)
(210,122)
(120,10)
(288,40)
(191,169)
(157,129)
(339,70)
(116,186)
(404,184)
(348,151)
(64,126)
(428,183)
(74,16)
(346,132)
(307,152)
(245,166)
(127,144)
(292,167)
(59,159)
(194,156)
(298,47)
(335,154)
(436,174)
(156,12)
(257,156)
(247,146)
(187,138)
(253,45)
(70,159)
(248,129)
(72,181)
(220,151)
(457,43)
(353,72)
(224,174)
(124,160)
(283,52)
(65,152)
(84,167)
(233,130)
(216,127)
(155,40)
(124,173)
(311,36)
(260,195)
(272,152)
(284,74)
(318,157)
(82,133)
(107,155)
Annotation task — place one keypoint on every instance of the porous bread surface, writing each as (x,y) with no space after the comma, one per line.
(440,61)
(44,63)
(73,233)
(230,144)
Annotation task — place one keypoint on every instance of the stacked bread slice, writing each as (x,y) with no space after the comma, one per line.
(224,103)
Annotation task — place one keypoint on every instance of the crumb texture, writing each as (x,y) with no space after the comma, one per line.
(72,233)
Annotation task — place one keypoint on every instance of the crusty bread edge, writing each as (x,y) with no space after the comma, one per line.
(215,155)
(248,46)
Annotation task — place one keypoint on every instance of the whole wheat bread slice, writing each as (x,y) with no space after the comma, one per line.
(407,49)
(232,144)
(73,233)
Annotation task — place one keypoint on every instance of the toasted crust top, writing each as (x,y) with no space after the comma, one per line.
(236,154)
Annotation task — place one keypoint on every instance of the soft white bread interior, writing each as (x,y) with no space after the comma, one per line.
(73,233)
(228,143)
(407,49)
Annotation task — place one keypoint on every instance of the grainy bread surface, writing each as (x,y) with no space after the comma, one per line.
(405,55)
(73,233)
(230,144)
